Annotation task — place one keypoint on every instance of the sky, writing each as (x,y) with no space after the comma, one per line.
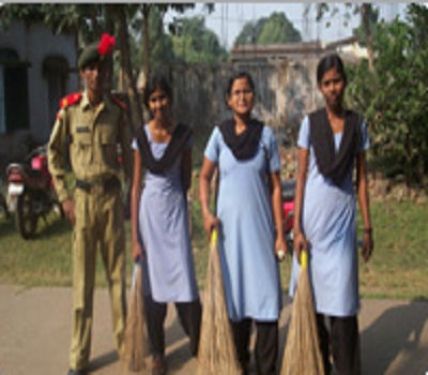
(228,19)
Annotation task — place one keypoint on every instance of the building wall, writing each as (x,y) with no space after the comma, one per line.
(285,92)
(34,44)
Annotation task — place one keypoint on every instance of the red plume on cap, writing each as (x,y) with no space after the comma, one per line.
(106,44)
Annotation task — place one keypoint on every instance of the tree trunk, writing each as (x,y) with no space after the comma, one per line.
(108,12)
(146,39)
(93,16)
(135,103)
(366,9)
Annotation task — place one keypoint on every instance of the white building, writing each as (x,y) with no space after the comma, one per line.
(37,68)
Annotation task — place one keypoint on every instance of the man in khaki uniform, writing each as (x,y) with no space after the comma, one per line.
(89,129)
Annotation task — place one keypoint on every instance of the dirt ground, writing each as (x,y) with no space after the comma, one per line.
(35,335)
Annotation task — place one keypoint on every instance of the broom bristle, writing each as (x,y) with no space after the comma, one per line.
(302,352)
(217,353)
(136,346)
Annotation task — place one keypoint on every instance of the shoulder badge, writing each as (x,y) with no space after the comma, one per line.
(70,99)
(119,103)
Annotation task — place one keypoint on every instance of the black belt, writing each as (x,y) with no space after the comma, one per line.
(109,184)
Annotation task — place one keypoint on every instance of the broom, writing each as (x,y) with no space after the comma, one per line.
(136,345)
(217,353)
(302,352)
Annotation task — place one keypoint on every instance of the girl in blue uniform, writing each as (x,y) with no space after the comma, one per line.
(248,211)
(332,141)
(160,232)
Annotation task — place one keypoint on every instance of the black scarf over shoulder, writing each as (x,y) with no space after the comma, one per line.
(178,141)
(245,145)
(331,164)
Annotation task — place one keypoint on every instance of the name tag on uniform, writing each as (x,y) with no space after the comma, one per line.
(82,129)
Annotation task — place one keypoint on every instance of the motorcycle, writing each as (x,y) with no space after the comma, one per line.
(288,188)
(31,195)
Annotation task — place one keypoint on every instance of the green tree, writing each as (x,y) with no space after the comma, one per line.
(152,28)
(84,20)
(368,15)
(161,42)
(155,47)
(250,32)
(393,96)
(275,29)
(373,22)
(150,18)
(194,43)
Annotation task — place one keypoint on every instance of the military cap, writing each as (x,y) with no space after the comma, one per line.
(98,51)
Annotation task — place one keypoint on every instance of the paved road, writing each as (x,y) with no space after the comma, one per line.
(35,334)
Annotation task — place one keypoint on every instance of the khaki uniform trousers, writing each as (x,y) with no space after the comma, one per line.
(99,224)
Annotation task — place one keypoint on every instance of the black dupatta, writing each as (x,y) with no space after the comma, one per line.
(177,144)
(244,146)
(331,164)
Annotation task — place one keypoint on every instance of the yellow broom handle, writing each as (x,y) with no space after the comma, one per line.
(214,232)
(214,237)
(304,259)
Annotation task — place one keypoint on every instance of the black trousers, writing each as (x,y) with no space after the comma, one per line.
(266,350)
(189,315)
(343,341)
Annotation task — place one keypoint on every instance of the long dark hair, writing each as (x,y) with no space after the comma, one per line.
(329,62)
(156,82)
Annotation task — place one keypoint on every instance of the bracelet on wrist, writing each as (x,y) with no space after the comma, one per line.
(368,230)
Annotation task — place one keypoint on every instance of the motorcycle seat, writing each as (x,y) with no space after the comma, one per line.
(33,174)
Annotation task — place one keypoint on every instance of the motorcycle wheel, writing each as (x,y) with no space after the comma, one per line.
(26,219)
(3,205)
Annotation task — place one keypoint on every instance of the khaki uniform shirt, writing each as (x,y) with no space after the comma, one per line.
(86,138)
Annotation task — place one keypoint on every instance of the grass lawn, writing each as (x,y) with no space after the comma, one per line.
(398,268)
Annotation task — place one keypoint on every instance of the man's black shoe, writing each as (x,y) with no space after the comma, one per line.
(76,372)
